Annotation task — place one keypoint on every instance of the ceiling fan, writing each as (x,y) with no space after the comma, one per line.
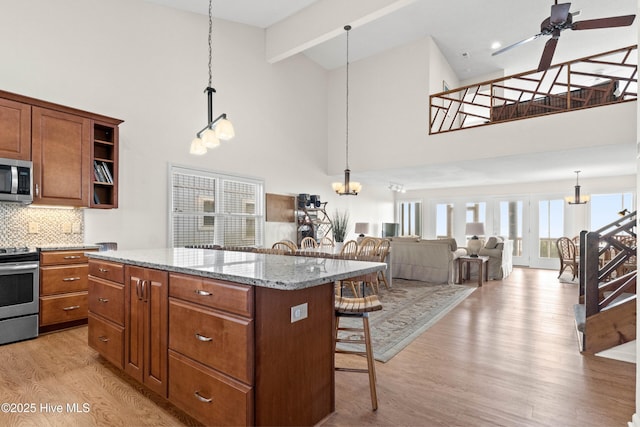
(560,20)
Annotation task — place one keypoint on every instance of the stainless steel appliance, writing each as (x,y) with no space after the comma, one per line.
(19,293)
(16,180)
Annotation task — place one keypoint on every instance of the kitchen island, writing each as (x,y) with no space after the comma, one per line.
(231,338)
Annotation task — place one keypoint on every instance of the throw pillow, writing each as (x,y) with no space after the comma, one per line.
(491,243)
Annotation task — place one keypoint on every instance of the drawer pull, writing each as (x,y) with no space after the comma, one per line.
(70,279)
(103,338)
(103,270)
(73,307)
(201,398)
(203,293)
(203,338)
(72,257)
(104,300)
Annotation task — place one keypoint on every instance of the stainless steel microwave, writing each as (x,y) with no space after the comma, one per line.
(16,180)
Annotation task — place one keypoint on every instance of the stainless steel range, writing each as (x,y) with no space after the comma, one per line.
(19,292)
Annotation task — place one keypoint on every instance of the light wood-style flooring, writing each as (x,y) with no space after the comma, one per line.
(506,356)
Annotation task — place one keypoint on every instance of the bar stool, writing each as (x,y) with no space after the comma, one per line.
(358,308)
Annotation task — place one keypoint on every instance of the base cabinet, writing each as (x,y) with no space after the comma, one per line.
(146,327)
(63,288)
(224,353)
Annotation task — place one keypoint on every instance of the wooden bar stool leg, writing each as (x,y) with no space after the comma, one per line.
(370,362)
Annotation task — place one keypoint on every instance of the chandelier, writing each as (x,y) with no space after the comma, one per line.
(216,129)
(576,200)
(348,187)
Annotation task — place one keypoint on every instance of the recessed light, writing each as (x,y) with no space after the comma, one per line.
(496,45)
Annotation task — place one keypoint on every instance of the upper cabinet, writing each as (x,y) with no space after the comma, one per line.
(74,152)
(15,130)
(60,153)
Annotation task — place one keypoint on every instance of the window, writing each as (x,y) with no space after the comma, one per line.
(550,226)
(605,208)
(410,215)
(208,208)
(444,220)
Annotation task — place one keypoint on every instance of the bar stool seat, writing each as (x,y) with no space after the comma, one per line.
(358,308)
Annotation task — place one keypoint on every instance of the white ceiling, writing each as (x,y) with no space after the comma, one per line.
(460,27)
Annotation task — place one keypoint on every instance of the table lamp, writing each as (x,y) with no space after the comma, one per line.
(474,244)
(362,228)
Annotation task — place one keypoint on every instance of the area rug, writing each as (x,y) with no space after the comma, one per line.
(408,309)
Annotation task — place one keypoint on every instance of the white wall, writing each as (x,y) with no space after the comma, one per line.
(147,65)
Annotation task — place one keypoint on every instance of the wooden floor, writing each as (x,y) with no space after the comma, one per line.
(506,356)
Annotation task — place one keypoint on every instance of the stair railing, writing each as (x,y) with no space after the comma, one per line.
(594,268)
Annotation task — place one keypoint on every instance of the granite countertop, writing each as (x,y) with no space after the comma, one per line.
(283,272)
(66,247)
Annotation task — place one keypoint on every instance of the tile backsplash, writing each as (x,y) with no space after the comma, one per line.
(39,226)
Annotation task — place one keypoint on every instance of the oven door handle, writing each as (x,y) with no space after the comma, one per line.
(17,267)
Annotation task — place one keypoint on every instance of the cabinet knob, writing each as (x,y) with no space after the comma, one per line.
(73,307)
(70,279)
(72,257)
(203,293)
(37,190)
(103,338)
(103,270)
(201,398)
(104,300)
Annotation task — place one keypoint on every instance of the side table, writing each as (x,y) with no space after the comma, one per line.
(483,267)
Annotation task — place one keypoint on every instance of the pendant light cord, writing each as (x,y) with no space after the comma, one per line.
(347,28)
(210,31)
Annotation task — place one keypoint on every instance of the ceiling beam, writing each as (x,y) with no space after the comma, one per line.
(322,21)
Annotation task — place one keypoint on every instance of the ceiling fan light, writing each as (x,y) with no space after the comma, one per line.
(224,130)
(197,147)
(210,139)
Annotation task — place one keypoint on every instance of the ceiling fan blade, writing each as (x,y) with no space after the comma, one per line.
(521,42)
(615,21)
(547,54)
(559,13)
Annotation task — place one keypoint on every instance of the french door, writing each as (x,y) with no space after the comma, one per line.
(547,226)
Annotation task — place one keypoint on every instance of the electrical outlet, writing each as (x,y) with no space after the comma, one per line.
(76,228)
(299,312)
(34,227)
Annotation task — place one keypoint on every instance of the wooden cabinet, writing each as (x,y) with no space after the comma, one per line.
(211,342)
(107,310)
(15,130)
(67,146)
(146,327)
(63,288)
(61,155)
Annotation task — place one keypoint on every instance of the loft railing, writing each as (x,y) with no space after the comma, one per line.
(602,79)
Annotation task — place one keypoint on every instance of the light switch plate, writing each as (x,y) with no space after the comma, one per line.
(299,312)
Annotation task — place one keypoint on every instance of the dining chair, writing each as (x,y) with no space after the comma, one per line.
(288,247)
(367,251)
(349,250)
(382,251)
(327,241)
(308,243)
(567,254)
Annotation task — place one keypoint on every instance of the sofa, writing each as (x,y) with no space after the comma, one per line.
(500,253)
(432,261)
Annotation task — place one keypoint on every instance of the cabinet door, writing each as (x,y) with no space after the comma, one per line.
(15,130)
(61,154)
(146,327)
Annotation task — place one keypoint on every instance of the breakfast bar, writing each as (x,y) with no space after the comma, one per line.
(230,338)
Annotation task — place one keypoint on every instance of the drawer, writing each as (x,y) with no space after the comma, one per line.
(107,270)
(208,396)
(107,339)
(64,257)
(218,294)
(107,299)
(61,279)
(221,341)
(63,308)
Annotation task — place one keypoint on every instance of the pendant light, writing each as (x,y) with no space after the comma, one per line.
(348,187)
(216,129)
(576,199)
